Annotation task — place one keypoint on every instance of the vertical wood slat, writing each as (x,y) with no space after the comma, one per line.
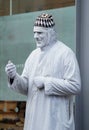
(4,7)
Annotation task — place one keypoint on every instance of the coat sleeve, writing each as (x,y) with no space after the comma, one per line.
(19,85)
(70,83)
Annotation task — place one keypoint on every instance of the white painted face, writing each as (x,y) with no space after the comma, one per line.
(41,36)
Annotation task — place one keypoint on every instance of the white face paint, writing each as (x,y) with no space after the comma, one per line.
(41,36)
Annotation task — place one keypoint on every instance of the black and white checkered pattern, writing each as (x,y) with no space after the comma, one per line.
(44,20)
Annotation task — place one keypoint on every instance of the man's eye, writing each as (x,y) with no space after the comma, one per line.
(39,32)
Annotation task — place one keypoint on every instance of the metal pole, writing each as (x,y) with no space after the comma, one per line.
(10,7)
(82,33)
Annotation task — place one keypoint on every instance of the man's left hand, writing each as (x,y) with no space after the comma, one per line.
(39,81)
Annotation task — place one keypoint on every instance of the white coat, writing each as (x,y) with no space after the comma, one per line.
(50,108)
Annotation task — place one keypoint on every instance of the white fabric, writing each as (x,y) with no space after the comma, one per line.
(49,108)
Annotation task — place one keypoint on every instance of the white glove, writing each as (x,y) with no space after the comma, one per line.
(10,70)
(39,81)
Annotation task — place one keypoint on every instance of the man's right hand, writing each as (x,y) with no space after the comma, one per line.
(10,70)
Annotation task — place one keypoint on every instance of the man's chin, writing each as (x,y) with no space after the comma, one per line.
(39,46)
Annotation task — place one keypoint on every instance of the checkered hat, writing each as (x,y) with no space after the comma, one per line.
(44,20)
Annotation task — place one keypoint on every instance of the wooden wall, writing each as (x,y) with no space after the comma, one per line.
(24,6)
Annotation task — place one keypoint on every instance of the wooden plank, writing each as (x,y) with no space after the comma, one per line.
(23,6)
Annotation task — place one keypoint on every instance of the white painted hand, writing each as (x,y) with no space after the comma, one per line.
(10,69)
(39,81)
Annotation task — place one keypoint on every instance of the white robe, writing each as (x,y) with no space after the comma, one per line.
(50,108)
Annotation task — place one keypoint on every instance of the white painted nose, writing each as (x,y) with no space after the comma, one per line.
(36,35)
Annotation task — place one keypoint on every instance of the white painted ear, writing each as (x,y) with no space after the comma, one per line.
(52,36)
